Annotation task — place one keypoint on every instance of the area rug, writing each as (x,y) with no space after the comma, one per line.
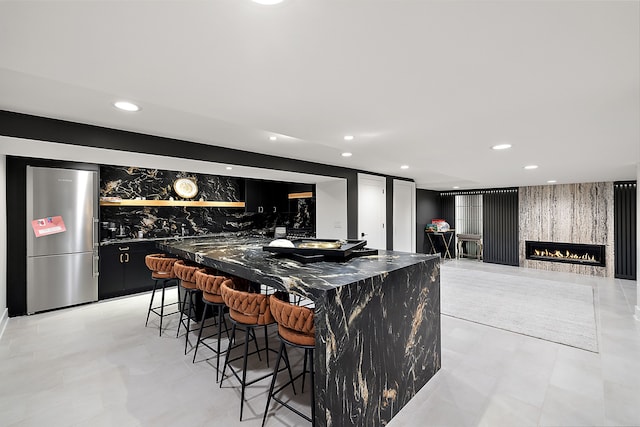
(550,310)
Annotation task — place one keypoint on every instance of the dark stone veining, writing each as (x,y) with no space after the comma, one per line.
(153,184)
(377,321)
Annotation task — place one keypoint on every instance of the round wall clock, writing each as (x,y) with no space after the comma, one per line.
(185,187)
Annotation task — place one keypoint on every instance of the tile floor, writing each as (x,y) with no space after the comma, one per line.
(97,365)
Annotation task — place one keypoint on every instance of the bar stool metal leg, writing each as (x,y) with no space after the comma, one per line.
(282,354)
(153,293)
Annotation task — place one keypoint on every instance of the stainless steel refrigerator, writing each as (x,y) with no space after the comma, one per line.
(62,240)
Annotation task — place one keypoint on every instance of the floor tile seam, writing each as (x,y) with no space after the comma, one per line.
(518,333)
(630,305)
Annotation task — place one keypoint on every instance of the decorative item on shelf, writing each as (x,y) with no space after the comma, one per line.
(441,224)
(185,187)
(430,228)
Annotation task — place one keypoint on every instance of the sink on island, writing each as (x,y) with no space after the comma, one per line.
(377,320)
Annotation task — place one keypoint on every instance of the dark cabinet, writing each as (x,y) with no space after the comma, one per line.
(266,196)
(123,270)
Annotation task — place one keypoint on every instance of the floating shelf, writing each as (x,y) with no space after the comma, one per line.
(305,195)
(190,203)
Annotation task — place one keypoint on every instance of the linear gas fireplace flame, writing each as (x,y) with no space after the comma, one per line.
(574,253)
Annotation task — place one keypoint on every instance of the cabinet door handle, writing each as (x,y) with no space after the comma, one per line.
(126,259)
(121,258)
(125,248)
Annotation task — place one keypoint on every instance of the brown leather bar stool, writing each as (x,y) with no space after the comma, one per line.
(296,329)
(248,309)
(209,282)
(185,271)
(161,267)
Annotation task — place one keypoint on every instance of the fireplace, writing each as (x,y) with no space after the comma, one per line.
(573,253)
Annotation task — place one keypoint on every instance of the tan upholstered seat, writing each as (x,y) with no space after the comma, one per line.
(295,328)
(161,267)
(185,271)
(295,323)
(245,305)
(248,309)
(209,282)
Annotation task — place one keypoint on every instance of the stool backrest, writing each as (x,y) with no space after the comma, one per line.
(160,263)
(246,306)
(185,270)
(210,283)
(292,316)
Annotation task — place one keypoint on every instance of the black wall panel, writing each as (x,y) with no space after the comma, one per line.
(625,229)
(17,226)
(500,226)
(448,209)
(47,129)
(427,208)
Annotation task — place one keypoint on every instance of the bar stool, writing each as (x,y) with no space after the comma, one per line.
(161,268)
(209,283)
(296,329)
(249,310)
(185,271)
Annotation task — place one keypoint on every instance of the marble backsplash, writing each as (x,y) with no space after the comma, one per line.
(160,221)
(568,213)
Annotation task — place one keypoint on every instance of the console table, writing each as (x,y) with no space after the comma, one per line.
(475,238)
(445,236)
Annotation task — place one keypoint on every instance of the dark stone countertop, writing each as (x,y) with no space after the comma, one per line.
(119,241)
(244,257)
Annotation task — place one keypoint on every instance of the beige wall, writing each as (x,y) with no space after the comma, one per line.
(570,213)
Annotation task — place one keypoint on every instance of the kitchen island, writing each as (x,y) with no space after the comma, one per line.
(377,320)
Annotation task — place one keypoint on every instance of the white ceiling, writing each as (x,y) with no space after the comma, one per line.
(430,84)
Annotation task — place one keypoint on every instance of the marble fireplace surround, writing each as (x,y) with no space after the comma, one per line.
(570,213)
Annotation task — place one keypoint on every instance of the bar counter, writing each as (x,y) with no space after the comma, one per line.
(377,320)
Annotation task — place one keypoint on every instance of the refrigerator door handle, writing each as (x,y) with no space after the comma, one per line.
(96,264)
(95,233)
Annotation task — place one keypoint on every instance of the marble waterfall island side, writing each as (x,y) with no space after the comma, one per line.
(377,321)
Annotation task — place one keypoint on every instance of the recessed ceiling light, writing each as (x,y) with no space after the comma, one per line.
(404,167)
(347,154)
(528,167)
(348,137)
(551,181)
(501,146)
(272,138)
(229,168)
(267,2)
(455,187)
(126,106)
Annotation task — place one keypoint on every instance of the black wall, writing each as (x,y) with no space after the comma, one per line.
(500,222)
(17,226)
(46,129)
(427,208)
(500,226)
(625,233)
